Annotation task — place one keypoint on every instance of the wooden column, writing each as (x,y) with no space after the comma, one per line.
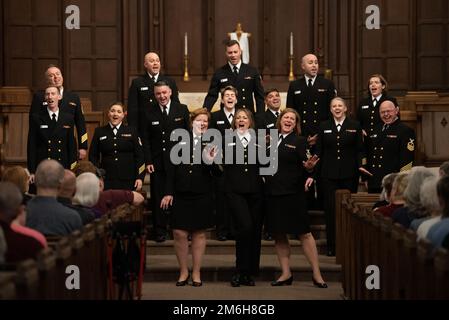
(210,38)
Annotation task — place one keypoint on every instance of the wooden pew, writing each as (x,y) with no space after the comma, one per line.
(441,263)
(7,286)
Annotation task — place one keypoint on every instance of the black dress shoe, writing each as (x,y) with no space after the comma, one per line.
(322,285)
(222,237)
(286,282)
(160,238)
(247,281)
(235,281)
(197,283)
(183,282)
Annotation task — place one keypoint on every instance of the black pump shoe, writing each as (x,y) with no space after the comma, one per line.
(319,285)
(286,282)
(183,282)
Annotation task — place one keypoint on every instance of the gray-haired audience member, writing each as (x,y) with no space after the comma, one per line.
(19,246)
(444,169)
(45,213)
(65,196)
(439,233)
(413,208)
(430,201)
(87,190)
(396,198)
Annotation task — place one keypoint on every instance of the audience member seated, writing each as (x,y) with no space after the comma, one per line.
(396,196)
(65,196)
(87,192)
(45,213)
(431,206)
(19,246)
(440,230)
(412,208)
(444,169)
(109,199)
(385,195)
(21,178)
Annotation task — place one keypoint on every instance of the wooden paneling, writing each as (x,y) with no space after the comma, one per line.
(432,45)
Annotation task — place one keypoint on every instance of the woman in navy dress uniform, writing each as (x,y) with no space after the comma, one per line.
(341,150)
(117,149)
(244,187)
(188,191)
(285,201)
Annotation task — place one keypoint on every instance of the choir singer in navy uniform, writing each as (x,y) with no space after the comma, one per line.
(117,149)
(341,150)
(245,78)
(392,148)
(189,186)
(157,124)
(51,134)
(286,208)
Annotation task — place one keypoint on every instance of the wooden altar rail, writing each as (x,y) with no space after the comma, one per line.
(408,269)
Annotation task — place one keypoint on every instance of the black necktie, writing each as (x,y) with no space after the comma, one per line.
(114,130)
(276,114)
(236,70)
(164,112)
(153,79)
(385,127)
(281,137)
(53,118)
(244,141)
(338,127)
(310,83)
(374,102)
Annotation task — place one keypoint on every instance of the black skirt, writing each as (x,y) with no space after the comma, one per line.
(287,214)
(192,211)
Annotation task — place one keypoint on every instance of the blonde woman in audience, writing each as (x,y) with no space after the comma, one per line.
(397,195)
(412,208)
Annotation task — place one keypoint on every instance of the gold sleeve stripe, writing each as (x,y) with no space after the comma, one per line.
(73,166)
(84,138)
(406,167)
(142,169)
(364,161)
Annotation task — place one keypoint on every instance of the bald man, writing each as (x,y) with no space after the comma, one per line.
(311,96)
(141,91)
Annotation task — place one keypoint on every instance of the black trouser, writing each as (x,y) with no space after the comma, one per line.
(329,188)
(159,216)
(247,218)
(222,214)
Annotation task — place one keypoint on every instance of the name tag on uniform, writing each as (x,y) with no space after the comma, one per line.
(392,136)
(298,92)
(44,126)
(270,125)
(144,89)
(224,80)
(290,146)
(127,135)
(73,104)
(321,90)
(220,122)
(231,144)
(373,136)
(66,127)
(365,107)
(351,131)
(178,119)
(182,143)
(327,131)
(103,138)
(155,123)
(248,78)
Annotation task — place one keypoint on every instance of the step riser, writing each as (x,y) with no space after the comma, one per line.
(225,275)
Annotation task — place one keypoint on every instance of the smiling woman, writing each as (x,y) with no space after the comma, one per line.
(117,149)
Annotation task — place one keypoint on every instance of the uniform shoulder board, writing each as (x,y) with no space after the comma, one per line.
(73,104)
